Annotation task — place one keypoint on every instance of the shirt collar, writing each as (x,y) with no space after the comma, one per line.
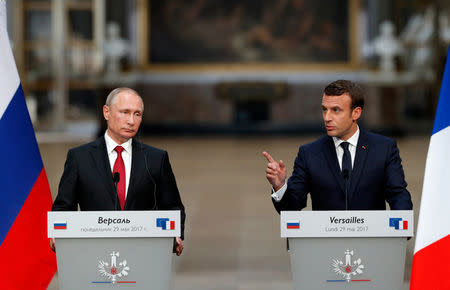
(352,140)
(111,144)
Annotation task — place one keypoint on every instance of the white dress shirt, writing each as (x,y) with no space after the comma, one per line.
(126,156)
(353,142)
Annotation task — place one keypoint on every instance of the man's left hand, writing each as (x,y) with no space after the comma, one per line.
(179,247)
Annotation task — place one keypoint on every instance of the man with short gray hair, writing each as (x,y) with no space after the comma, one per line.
(141,174)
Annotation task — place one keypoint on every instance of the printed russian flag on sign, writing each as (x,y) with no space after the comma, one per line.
(25,194)
(60,225)
(293,224)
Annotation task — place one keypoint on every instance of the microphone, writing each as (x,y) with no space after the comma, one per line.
(346,175)
(116,179)
(148,172)
(153,181)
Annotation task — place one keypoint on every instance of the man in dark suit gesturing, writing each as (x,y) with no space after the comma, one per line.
(143,175)
(350,169)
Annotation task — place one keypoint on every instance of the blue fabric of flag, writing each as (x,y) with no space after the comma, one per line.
(442,119)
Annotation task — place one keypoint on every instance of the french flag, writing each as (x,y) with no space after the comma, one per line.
(398,223)
(404,225)
(25,195)
(432,250)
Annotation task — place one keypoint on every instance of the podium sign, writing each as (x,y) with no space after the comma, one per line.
(103,249)
(398,223)
(113,224)
(347,249)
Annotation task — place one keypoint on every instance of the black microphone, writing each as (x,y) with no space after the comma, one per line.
(148,172)
(116,179)
(346,175)
(153,181)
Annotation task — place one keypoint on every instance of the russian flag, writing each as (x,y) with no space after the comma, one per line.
(60,225)
(432,250)
(25,197)
(292,224)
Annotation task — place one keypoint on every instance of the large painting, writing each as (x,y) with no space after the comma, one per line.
(248,31)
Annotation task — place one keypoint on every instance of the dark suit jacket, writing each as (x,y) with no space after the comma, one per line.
(377,176)
(87,181)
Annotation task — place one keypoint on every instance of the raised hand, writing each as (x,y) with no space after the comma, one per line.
(275,172)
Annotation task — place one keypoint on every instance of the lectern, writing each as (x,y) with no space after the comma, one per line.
(102,249)
(347,249)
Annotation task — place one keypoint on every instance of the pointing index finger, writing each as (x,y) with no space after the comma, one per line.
(268,157)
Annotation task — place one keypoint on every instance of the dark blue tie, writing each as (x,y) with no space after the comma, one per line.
(346,159)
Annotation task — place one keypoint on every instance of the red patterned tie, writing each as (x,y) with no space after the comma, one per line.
(119,166)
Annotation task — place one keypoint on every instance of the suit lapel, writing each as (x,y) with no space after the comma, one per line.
(362,150)
(137,169)
(101,161)
(331,157)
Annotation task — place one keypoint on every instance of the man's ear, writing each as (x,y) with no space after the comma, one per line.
(106,112)
(356,113)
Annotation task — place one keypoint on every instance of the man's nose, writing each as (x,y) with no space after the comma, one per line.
(131,119)
(326,116)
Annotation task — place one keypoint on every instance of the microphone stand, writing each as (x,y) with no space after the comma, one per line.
(346,183)
(116,179)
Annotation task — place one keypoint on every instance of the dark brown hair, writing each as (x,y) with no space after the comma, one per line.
(340,87)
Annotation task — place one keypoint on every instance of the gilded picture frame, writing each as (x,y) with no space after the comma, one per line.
(247,35)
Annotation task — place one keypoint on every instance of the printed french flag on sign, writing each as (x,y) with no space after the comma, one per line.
(165,224)
(25,197)
(404,225)
(398,223)
(432,250)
